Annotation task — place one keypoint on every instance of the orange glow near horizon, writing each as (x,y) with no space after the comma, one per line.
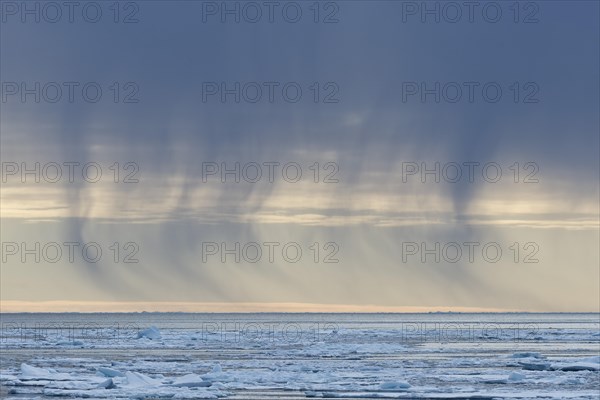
(12,306)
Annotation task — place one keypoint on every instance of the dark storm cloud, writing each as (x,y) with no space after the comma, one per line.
(371,55)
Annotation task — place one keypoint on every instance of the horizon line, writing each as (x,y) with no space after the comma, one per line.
(64,306)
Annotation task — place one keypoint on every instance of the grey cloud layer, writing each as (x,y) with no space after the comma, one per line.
(369,133)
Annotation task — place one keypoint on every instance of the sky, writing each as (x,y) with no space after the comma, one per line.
(300,156)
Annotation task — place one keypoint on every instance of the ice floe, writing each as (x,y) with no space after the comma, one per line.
(151,333)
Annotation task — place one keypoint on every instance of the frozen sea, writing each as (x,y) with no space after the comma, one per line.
(292,356)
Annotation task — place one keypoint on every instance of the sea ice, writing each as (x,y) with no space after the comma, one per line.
(581,364)
(527,354)
(151,333)
(107,384)
(190,380)
(109,372)
(137,379)
(29,372)
(516,377)
(535,366)
(394,385)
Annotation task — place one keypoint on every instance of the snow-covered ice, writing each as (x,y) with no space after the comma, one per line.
(151,333)
(329,356)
